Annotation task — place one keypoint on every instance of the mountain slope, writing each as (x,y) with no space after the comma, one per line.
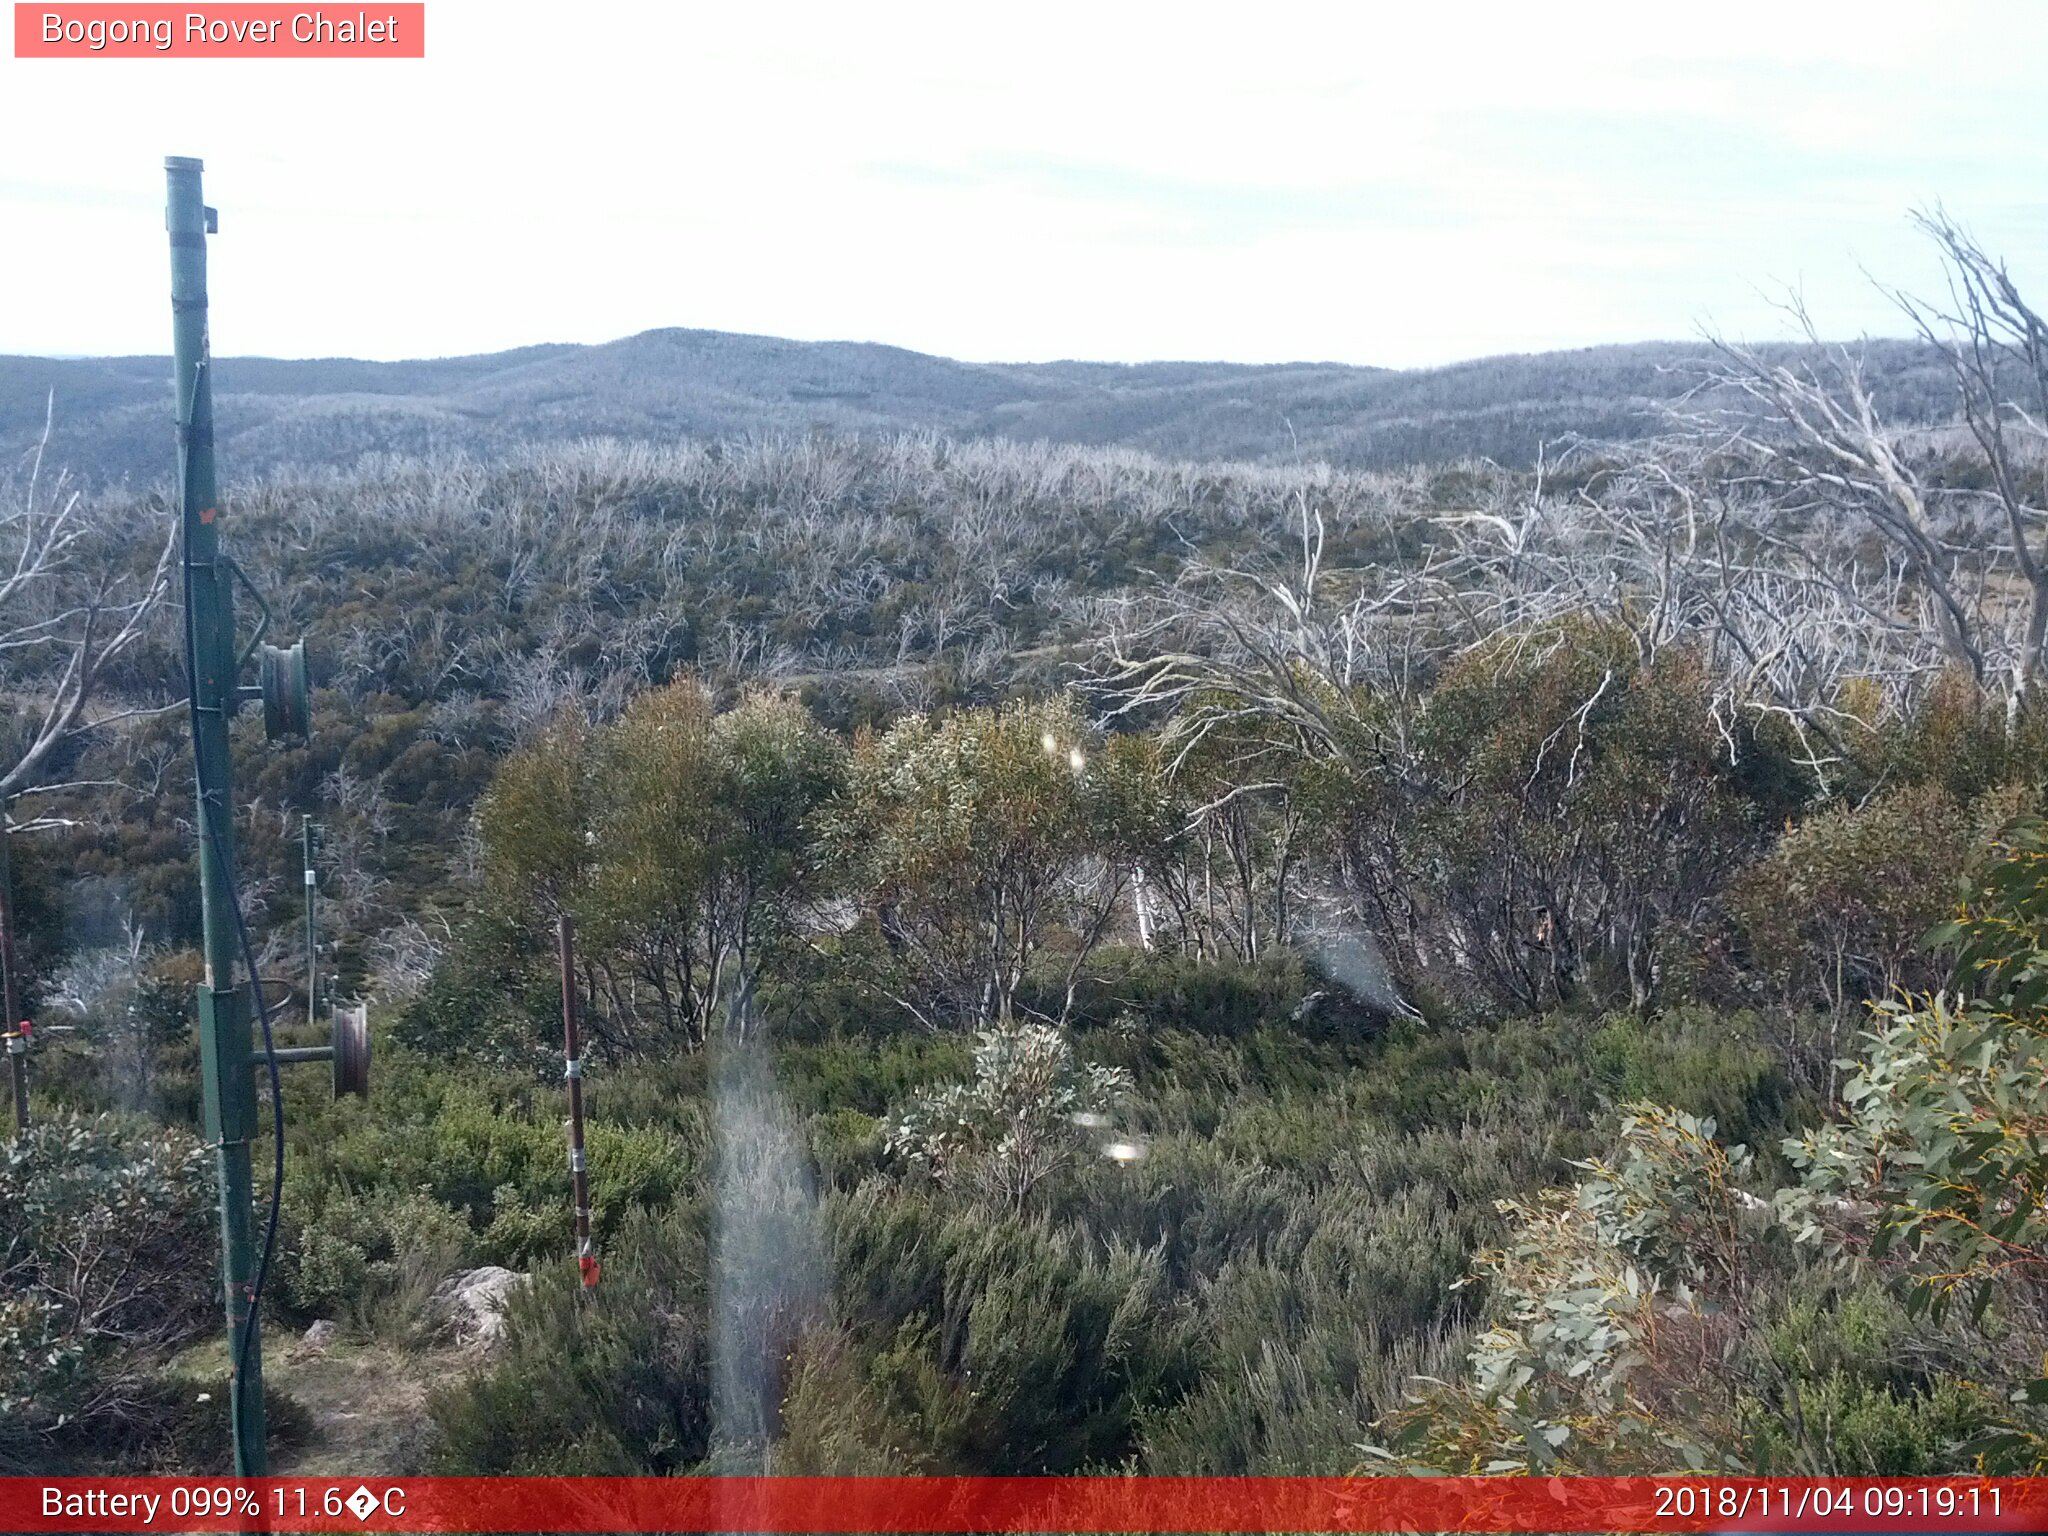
(112,415)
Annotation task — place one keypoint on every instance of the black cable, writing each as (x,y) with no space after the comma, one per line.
(256,991)
(276,1109)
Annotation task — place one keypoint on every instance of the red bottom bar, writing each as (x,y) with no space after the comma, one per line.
(801,1505)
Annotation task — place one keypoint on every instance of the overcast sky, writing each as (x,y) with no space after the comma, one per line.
(1369,183)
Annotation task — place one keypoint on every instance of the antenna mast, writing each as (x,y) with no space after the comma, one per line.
(225,1042)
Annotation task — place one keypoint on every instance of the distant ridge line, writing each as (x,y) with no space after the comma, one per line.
(111,422)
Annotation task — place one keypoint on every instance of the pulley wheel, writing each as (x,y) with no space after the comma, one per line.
(352,1051)
(287,696)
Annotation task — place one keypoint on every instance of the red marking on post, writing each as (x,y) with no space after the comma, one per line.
(208,515)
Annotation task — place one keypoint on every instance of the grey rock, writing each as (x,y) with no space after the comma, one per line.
(474,1302)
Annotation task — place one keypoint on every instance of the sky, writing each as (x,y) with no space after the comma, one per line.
(1392,184)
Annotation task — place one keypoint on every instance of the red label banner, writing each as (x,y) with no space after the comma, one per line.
(223,31)
(1048,1504)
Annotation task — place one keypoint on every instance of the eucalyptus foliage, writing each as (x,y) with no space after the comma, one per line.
(1032,1107)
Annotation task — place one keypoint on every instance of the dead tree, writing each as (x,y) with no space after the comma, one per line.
(1809,435)
(1997,351)
(1814,439)
(67,612)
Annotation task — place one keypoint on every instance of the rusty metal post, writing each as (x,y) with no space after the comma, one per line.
(572,1070)
(312,884)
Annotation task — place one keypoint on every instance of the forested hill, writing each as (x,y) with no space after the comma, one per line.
(112,414)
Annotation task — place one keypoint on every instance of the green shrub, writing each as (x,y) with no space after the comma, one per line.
(871,1076)
(1714,1065)
(1020,1121)
(614,1381)
(1838,912)
(1166,989)
(846,1145)
(1561,807)
(1610,1337)
(1854,1389)
(489,1147)
(1012,1346)
(374,1260)
(1308,1336)
(107,1259)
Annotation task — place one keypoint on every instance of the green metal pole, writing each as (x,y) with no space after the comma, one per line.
(224,1032)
